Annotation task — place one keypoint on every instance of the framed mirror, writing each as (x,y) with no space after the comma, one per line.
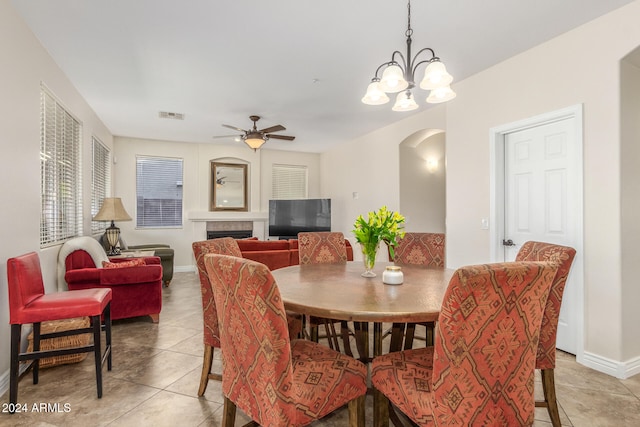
(228,187)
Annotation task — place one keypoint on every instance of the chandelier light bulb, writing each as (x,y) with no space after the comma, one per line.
(442,94)
(393,79)
(435,76)
(375,95)
(405,102)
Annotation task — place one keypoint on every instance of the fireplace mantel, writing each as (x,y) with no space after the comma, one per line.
(228,216)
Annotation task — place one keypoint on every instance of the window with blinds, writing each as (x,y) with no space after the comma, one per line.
(158,192)
(289,182)
(100,181)
(60,177)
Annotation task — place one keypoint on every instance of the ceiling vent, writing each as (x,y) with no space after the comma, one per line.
(168,115)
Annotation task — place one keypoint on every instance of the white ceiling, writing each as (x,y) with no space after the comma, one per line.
(300,63)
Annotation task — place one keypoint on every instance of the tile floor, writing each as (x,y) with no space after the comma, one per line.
(156,372)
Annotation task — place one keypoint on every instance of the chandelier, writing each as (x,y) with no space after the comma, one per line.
(398,76)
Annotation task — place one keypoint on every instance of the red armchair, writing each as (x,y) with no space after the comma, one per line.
(136,290)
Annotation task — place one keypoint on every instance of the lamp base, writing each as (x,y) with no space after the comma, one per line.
(112,234)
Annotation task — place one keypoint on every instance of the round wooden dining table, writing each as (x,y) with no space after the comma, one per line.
(338,291)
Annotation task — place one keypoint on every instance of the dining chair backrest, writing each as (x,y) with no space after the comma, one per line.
(222,246)
(485,346)
(255,346)
(563,257)
(425,249)
(25,282)
(322,248)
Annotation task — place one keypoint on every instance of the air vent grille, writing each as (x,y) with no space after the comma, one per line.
(169,115)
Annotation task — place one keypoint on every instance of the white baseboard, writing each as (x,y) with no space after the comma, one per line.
(621,370)
(4,380)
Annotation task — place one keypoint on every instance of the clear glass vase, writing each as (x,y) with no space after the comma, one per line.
(369,251)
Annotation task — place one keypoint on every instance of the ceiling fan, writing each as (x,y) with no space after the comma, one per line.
(254,138)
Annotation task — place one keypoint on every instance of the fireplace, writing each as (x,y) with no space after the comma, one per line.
(236,234)
(235,229)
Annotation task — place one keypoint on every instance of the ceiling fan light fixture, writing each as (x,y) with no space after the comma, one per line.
(254,140)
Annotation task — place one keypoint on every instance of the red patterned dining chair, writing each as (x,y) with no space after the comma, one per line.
(421,249)
(546,356)
(274,381)
(28,304)
(325,248)
(480,371)
(211,336)
(221,246)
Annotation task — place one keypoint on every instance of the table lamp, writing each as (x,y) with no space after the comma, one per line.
(112,210)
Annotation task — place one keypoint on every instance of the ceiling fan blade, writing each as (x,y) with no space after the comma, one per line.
(226,136)
(275,128)
(285,137)
(234,128)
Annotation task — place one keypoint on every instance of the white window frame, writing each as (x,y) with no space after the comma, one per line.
(156,181)
(60,172)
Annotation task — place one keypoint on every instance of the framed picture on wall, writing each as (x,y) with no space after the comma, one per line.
(228,187)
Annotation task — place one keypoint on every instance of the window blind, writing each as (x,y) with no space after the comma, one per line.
(158,192)
(60,177)
(289,182)
(100,181)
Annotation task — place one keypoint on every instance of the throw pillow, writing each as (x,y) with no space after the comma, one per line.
(136,262)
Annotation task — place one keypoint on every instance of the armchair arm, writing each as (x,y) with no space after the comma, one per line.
(148,260)
(130,275)
(148,246)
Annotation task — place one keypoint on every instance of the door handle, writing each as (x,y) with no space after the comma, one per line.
(508,242)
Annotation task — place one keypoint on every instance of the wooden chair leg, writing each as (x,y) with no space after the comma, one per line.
(356,412)
(16,331)
(206,369)
(97,351)
(36,347)
(229,413)
(107,333)
(155,318)
(549,390)
(397,333)
(408,336)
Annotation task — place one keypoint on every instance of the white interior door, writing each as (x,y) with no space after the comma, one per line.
(541,202)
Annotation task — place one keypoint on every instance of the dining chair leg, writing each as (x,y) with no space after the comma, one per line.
(356,412)
(229,413)
(206,369)
(107,334)
(549,391)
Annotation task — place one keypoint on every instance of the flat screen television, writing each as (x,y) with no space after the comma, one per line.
(287,218)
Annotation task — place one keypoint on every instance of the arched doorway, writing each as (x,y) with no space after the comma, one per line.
(423,181)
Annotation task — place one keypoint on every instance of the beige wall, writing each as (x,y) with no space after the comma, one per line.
(24,64)
(579,67)
(630,159)
(196,177)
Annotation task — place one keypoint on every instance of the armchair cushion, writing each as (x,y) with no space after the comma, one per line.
(136,262)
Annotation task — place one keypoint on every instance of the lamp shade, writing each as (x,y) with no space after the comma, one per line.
(112,210)
(405,102)
(435,76)
(375,95)
(439,95)
(254,142)
(393,79)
